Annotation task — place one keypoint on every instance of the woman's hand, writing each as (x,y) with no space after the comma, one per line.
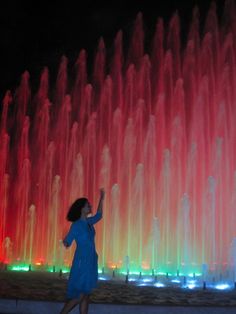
(100,203)
(66,244)
(102,193)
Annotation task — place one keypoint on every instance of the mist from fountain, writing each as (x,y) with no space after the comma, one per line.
(157,131)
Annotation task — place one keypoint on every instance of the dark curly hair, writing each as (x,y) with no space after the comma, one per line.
(74,212)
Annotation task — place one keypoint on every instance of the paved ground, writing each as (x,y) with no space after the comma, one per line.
(42,307)
(50,287)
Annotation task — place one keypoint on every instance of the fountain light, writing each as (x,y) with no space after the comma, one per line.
(222,286)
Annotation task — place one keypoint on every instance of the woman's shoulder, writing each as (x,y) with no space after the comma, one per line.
(80,222)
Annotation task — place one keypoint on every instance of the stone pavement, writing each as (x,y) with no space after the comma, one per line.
(14,306)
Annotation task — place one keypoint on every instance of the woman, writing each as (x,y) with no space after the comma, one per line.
(84,269)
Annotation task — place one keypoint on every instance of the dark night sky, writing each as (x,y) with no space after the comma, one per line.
(37,34)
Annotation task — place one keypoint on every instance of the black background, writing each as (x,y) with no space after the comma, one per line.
(38,33)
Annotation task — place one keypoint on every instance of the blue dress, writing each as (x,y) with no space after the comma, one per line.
(84,270)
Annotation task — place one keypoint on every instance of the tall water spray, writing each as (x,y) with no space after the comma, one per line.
(157,131)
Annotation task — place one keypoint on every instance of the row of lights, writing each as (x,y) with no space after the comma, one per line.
(140,281)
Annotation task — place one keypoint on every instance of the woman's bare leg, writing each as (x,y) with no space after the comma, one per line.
(84,304)
(69,305)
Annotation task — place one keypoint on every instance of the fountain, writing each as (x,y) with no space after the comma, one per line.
(157,131)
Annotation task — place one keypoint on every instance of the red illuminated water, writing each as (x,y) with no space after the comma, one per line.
(158,132)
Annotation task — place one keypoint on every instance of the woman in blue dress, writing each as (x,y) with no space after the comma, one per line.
(84,270)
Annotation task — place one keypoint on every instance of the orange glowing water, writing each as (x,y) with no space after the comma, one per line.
(158,132)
